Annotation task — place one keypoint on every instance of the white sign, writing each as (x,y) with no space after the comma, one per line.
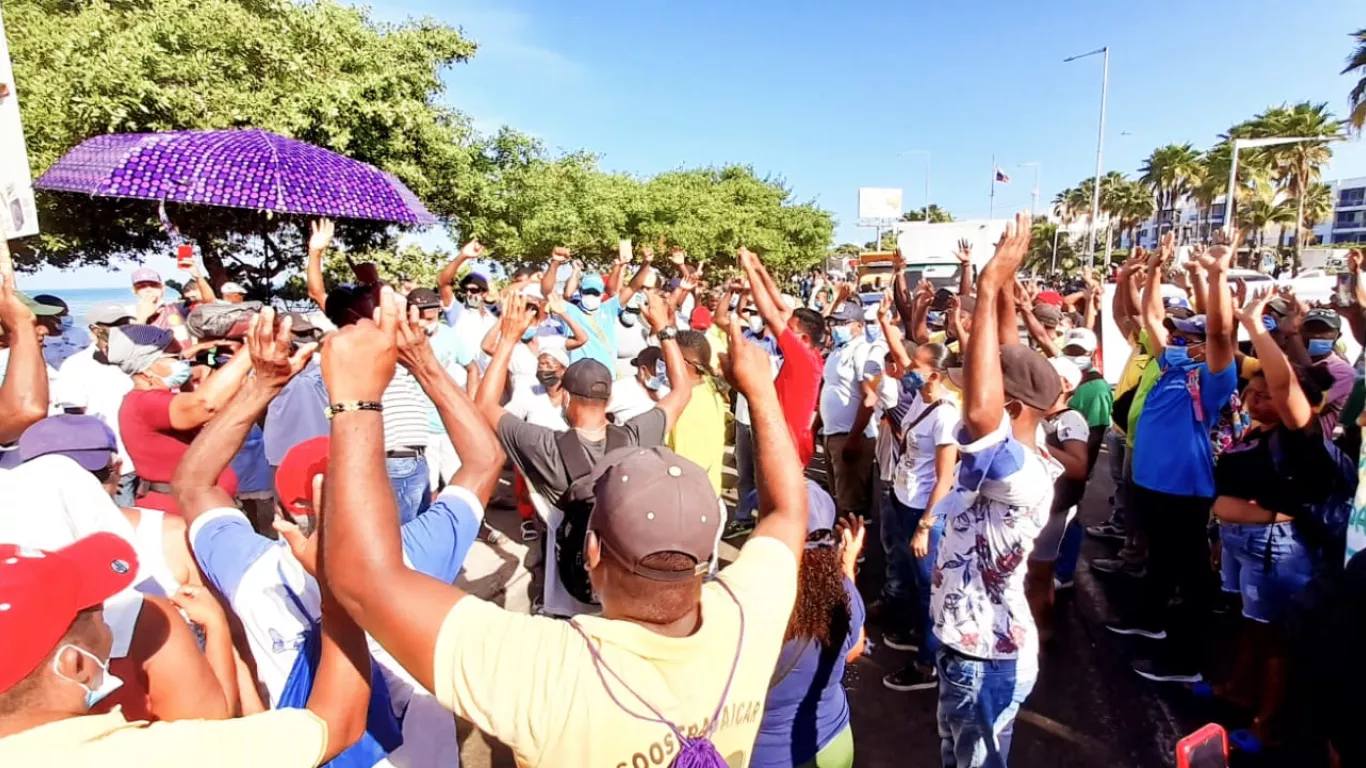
(879,203)
(18,216)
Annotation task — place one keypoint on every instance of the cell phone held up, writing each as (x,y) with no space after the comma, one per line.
(184,257)
(1344,291)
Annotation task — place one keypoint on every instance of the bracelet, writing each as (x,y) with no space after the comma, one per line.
(925,523)
(351,405)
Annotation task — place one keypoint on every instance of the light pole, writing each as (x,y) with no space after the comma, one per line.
(1100,148)
(926,153)
(1034,199)
(1054,268)
(1233,181)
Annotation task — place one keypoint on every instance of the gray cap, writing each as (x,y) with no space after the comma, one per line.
(850,311)
(107,313)
(135,348)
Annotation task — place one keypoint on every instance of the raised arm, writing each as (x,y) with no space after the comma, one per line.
(481,456)
(190,410)
(774,313)
(892,334)
(362,547)
(1037,331)
(445,279)
(953,320)
(515,320)
(489,344)
(206,293)
(901,293)
(722,318)
(782,488)
(920,313)
(659,317)
(319,237)
(637,284)
(775,294)
(558,257)
(1150,307)
(571,286)
(1219,327)
(578,336)
(983,390)
(964,255)
(1286,395)
(24,395)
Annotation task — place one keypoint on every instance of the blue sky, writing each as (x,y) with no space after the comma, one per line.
(827,96)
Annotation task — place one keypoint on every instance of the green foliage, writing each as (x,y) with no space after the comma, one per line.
(1356,64)
(1040,260)
(887,242)
(1170,172)
(937,215)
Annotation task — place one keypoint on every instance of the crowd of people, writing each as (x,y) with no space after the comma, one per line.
(235,533)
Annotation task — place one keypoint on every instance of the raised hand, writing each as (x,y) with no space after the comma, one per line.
(747,367)
(559,255)
(554,303)
(472,250)
(13,312)
(320,233)
(1251,313)
(884,307)
(647,254)
(677,256)
(657,314)
(359,360)
(964,252)
(414,347)
(898,259)
(274,361)
(1010,250)
(516,318)
(852,535)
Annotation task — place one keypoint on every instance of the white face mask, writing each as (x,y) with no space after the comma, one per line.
(590,301)
(756,324)
(108,683)
(1081,361)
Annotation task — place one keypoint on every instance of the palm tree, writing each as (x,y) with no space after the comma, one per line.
(1063,205)
(1040,259)
(1131,204)
(937,215)
(1317,207)
(1357,98)
(1297,166)
(1171,172)
(1264,208)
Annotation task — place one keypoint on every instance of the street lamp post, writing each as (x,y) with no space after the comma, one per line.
(1034,199)
(1100,148)
(1053,270)
(1233,181)
(926,153)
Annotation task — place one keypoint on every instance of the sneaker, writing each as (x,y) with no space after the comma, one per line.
(529,531)
(1060,584)
(1115,565)
(911,678)
(901,641)
(1152,632)
(736,528)
(1166,673)
(1106,530)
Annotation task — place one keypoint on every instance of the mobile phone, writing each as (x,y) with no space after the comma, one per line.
(624,250)
(184,256)
(1345,289)
(1206,748)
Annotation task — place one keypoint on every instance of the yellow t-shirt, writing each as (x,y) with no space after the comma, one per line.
(281,738)
(699,435)
(531,683)
(720,344)
(942,337)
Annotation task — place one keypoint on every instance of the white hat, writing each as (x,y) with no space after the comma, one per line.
(533,291)
(870,313)
(791,301)
(1068,370)
(1084,338)
(231,287)
(557,354)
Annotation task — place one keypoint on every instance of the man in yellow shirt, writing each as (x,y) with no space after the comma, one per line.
(54,666)
(699,435)
(673,664)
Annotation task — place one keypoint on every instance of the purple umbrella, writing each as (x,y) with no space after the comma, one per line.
(237,169)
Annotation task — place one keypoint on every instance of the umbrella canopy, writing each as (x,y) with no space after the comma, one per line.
(238,169)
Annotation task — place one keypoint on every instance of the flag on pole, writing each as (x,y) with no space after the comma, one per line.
(1001,177)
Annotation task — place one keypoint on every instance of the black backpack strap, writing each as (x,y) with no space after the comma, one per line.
(618,437)
(574,455)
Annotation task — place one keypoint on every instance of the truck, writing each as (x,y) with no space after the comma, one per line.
(929,248)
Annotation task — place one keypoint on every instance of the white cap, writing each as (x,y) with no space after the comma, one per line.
(533,291)
(1083,338)
(791,301)
(231,287)
(557,354)
(1068,370)
(870,313)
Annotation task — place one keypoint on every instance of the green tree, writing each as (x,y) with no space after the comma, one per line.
(1131,203)
(1317,207)
(1171,172)
(1297,166)
(319,72)
(1265,207)
(937,215)
(1356,64)
(1040,259)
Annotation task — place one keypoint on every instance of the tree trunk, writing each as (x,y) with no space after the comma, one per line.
(1299,227)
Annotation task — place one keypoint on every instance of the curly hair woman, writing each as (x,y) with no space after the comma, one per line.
(806,717)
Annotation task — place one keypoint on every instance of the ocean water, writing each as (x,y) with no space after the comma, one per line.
(81,299)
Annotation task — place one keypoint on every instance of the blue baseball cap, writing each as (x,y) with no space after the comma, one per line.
(592,283)
(85,439)
(1194,326)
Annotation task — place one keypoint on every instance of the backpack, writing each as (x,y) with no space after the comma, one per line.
(577,505)
(1322,523)
(222,321)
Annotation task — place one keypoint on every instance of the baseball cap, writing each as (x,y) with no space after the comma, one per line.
(146,275)
(592,283)
(38,308)
(1193,325)
(1051,298)
(475,279)
(1026,377)
(589,379)
(649,501)
(1324,316)
(135,348)
(1067,370)
(294,476)
(1173,302)
(558,354)
(52,301)
(820,509)
(1082,338)
(423,298)
(107,313)
(86,440)
(533,291)
(44,591)
(1048,314)
(648,358)
(231,287)
(847,313)
(700,319)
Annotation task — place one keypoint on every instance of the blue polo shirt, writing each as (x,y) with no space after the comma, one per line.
(601,327)
(1172,450)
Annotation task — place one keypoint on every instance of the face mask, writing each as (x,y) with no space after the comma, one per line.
(1081,361)
(530,334)
(912,381)
(628,319)
(473,300)
(662,374)
(654,384)
(65,323)
(842,335)
(873,333)
(430,330)
(756,324)
(108,683)
(180,373)
(1176,356)
(548,379)
(1320,347)
(590,302)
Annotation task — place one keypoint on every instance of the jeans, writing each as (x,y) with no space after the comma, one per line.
(978,701)
(128,486)
(412,494)
(1115,446)
(1135,549)
(914,572)
(1066,565)
(744,467)
(1267,564)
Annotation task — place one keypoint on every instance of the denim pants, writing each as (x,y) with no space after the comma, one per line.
(412,492)
(1118,450)
(915,573)
(128,486)
(1065,567)
(978,701)
(1267,564)
(744,467)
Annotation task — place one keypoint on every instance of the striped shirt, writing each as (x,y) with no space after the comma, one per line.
(405,413)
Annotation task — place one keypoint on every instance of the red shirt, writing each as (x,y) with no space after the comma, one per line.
(155,446)
(799,387)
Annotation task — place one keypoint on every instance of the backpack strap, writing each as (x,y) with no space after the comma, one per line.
(574,455)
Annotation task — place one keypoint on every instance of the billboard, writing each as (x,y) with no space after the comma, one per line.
(18,217)
(879,203)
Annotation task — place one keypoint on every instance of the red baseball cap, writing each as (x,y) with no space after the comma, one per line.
(1049,297)
(41,593)
(701,319)
(294,477)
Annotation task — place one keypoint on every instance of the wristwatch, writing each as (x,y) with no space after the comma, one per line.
(668,333)
(925,523)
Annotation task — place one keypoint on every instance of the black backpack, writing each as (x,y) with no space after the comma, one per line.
(577,505)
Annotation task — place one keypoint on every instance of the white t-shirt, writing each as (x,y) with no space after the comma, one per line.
(472,325)
(629,400)
(101,388)
(845,370)
(630,342)
(915,473)
(534,407)
(1066,426)
(56,349)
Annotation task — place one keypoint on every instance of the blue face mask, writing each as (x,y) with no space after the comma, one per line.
(842,335)
(628,319)
(1176,356)
(661,377)
(912,382)
(108,683)
(530,334)
(1320,347)
(873,333)
(180,373)
(65,323)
